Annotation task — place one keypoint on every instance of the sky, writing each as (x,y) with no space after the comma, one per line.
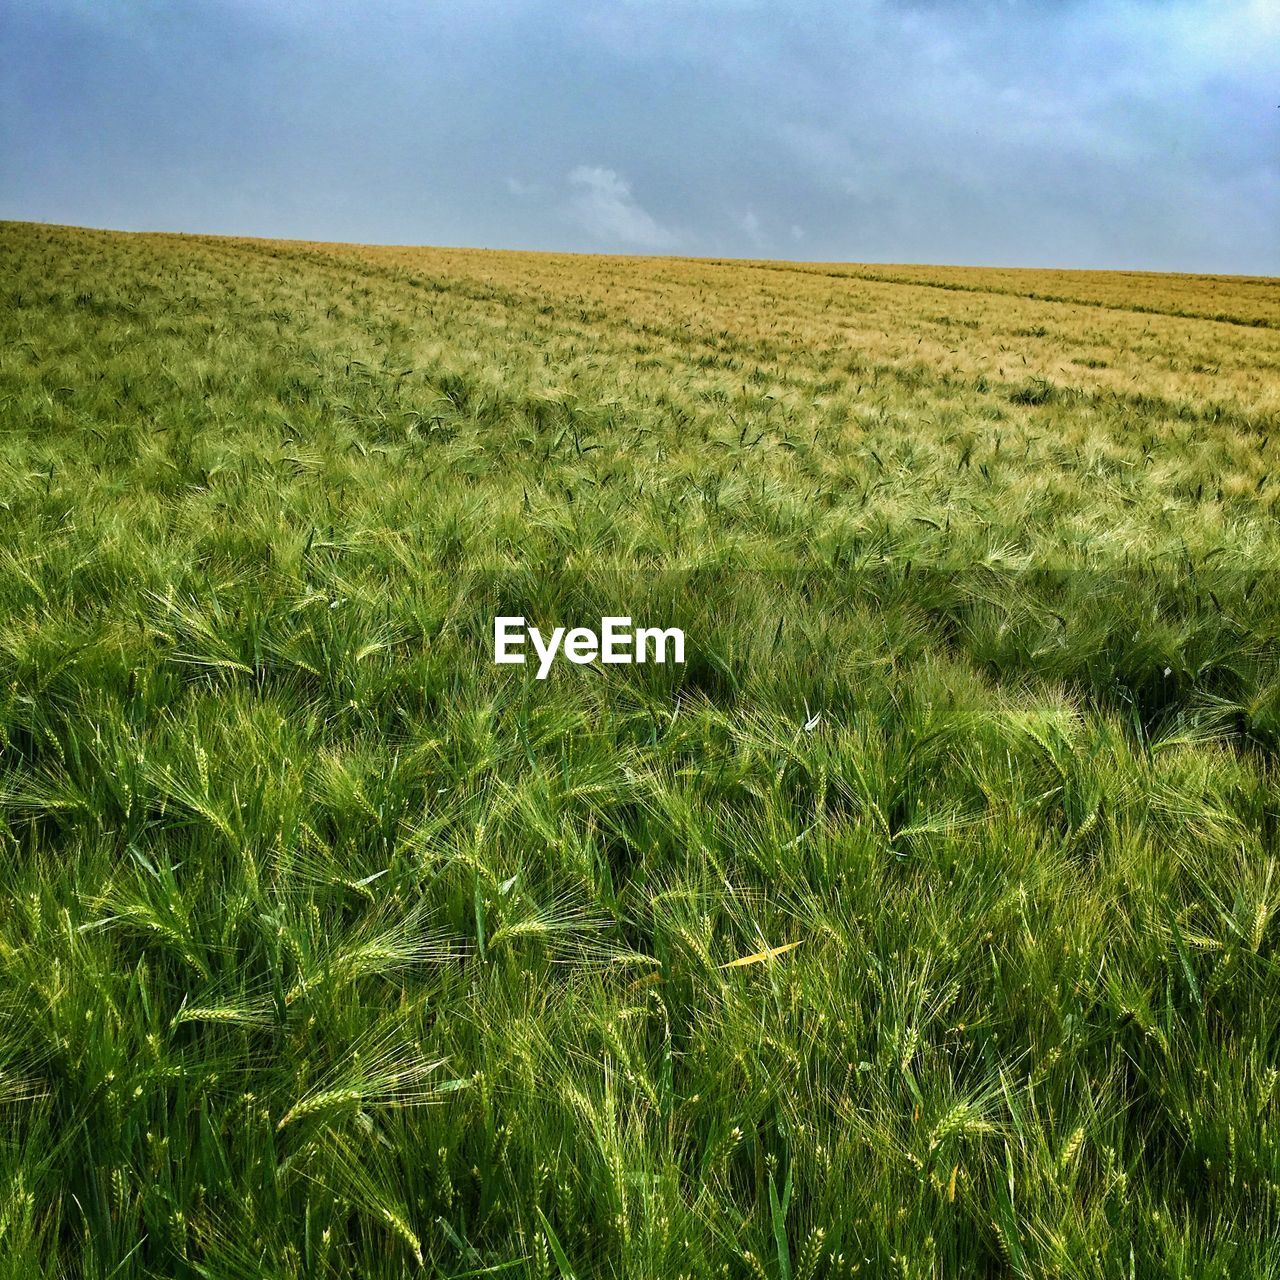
(1074,133)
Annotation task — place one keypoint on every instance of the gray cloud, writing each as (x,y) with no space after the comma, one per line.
(1061,132)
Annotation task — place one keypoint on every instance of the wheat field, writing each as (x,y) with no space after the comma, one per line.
(922,924)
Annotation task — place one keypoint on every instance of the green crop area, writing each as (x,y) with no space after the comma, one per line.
(922,924)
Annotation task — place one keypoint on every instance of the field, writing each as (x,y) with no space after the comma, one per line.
(923,924)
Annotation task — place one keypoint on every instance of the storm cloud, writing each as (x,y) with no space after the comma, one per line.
(1073,133)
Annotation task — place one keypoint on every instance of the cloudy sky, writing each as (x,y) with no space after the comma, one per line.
(1109,133)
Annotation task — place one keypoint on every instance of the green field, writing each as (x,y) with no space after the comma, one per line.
(922,924)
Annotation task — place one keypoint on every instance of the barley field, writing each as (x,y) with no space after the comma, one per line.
(922,924)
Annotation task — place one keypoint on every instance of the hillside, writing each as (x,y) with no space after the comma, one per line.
(922,923)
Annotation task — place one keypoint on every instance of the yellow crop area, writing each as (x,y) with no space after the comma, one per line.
(1051,417)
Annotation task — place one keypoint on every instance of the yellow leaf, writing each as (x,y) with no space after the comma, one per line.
(760,956)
